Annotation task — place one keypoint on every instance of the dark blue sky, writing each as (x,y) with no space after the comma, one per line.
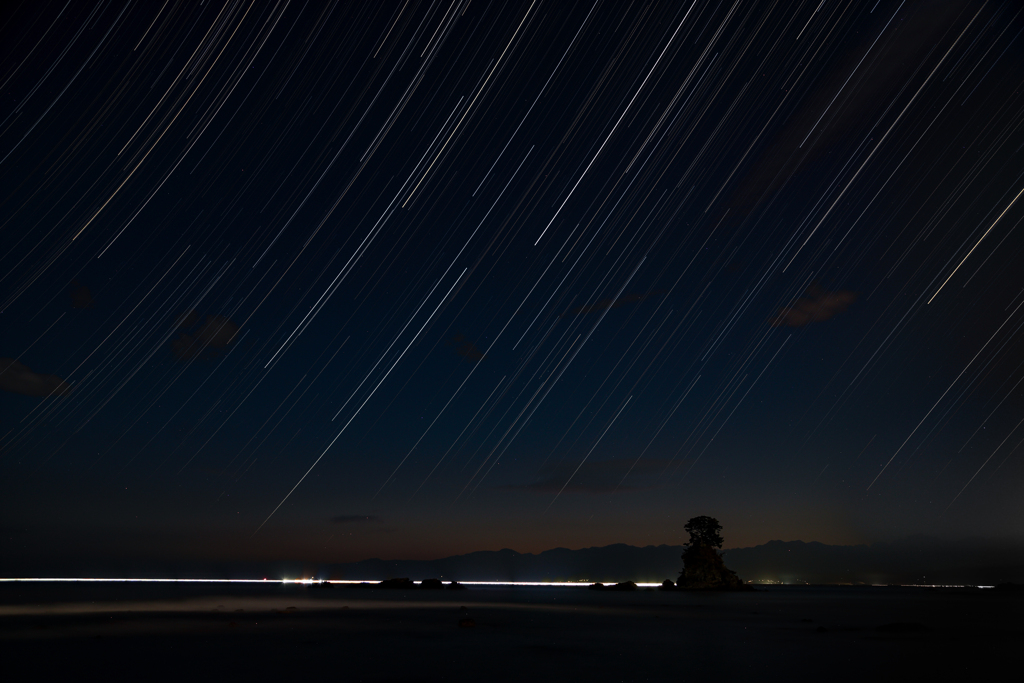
(304,281)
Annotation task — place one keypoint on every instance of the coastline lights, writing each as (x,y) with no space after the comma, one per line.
(339,582)
(318,582)
(303,582)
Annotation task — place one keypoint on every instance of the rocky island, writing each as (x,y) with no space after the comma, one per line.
(703,567)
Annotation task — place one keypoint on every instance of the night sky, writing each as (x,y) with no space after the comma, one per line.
(289,280)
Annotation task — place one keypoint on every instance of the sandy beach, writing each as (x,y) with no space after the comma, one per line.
(356,634)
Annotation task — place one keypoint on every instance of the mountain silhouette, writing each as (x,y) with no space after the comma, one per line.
(915,560)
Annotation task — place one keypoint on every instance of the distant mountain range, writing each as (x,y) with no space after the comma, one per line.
(915,560)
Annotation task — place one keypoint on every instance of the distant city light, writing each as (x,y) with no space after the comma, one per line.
(305,582)
(310,582)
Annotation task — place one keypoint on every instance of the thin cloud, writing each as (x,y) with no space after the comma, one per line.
(80,295)
(202,340)
(816,306)
(187,319)
(466,349)
(604,304)
(598,476)
(19,379)
(355,519)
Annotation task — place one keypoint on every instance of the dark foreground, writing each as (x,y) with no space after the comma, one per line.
(178,633)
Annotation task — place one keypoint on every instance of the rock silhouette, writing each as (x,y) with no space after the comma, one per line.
(623,586)
(409,584)
(703,567)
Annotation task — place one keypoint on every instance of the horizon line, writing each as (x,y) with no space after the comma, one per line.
(557,584)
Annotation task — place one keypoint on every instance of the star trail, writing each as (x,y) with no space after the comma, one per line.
(507,274)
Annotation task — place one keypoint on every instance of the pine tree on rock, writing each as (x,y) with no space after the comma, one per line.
(703,567)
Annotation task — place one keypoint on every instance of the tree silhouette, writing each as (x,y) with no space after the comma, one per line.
(703,532)
(703,567)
